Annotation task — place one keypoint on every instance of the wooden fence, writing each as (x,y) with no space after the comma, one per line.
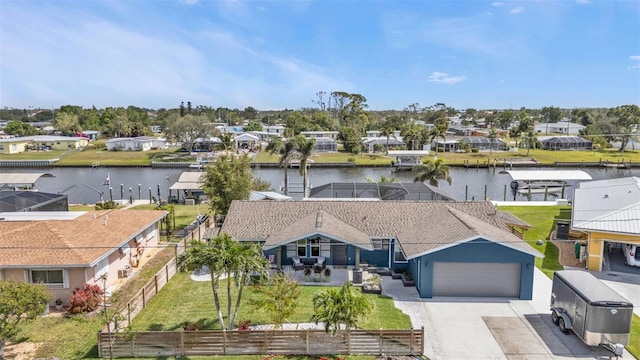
(261,342)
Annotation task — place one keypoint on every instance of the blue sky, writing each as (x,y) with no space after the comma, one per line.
(279,54)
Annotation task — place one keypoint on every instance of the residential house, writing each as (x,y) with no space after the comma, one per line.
(66,250)
(565,126)
(246,141)
(39,142)
(140,143)
(320,134)
(449,248)
(565,143)
(91,134)
(607,210)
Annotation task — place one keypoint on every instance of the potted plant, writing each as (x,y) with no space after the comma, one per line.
(373,285)
(307,274)
(327,275)
(59,304)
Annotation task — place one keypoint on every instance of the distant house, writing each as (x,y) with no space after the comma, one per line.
(41,142)
(155,128)
(565,143)
(91,134)
(274,129)
(141,143)
(66,250)
(246,141)
(563,127)
(320,134)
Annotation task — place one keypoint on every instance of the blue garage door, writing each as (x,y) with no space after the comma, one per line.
(476,279)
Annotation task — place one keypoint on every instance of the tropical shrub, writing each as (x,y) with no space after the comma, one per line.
(85,300)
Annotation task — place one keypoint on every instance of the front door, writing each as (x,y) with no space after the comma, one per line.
(339,255)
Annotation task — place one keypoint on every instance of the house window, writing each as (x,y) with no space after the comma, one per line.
(315,247)
(302,248)
(325,248)
(47,277)
(380,244)
(292,249)
(398,255)
(101,268)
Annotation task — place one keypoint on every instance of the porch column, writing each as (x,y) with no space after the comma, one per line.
(357,257)
(279,257)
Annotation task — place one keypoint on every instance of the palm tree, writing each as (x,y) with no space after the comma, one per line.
(286,151)
(387,131)
(343,306)
(224,256)
(304,147)
(438,131)
(492,137)
(530,140)
(433,170)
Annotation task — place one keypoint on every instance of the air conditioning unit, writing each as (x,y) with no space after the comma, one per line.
(124,273)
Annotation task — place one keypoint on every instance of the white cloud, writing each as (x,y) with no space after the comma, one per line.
(95,61)
(516,10)
(583,2)
(497,4)
(444,78)
(634,58)
(189,2)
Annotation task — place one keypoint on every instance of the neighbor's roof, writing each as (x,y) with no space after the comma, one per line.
(611,205)
(21,178)
(80,242)
(547,174)
(420,227)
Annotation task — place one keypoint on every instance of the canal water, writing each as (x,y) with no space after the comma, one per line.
(85,185)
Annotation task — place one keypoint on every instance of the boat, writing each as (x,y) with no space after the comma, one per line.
(547,182)
(541,187)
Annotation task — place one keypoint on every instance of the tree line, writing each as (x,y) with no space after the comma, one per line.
(339,111)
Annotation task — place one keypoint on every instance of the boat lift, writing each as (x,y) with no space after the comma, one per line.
(547,182)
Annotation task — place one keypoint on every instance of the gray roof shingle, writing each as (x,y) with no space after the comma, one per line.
(419,226)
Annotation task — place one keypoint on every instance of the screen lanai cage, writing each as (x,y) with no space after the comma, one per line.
(381,191)
(325,144)
(565,143)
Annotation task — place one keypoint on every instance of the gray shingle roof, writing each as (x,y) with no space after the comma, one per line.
(419,226)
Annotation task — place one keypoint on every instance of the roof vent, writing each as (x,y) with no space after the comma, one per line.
(106,219)
(606,196)
(319,220)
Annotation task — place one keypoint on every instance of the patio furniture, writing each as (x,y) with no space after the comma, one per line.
(297,264)
(321,262)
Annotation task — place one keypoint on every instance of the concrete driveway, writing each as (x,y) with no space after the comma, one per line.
(488,328)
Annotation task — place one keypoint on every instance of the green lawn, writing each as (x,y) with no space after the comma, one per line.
(183,299)
(543,221)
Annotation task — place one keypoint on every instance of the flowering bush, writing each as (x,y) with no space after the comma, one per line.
(85,300)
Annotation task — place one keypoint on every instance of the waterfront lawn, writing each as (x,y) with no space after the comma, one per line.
(543,221)
(183,299)
(35,155)
(333,158)
(109,158)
